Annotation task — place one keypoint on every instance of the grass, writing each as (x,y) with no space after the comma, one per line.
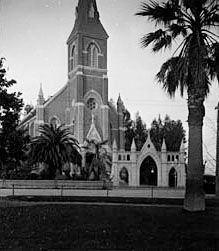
(106,227)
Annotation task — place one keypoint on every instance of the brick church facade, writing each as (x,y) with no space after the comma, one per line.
(83,105)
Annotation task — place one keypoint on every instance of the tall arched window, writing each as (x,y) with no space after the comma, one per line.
(72,58)
(73,127)
(93,55)
(124,175)
(54,122)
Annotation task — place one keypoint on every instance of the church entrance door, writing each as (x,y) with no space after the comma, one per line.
(148,172)
(173,178)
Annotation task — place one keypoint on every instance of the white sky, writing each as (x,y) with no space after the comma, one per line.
(33,36)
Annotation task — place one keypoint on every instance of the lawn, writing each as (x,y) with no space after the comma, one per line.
(107,227)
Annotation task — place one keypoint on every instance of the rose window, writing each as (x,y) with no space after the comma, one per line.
(91,104)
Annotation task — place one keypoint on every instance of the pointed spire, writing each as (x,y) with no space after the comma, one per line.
(120,104)
(40,100)
(93,133)
(87,20)
(133,147)
(119,101)
(164,146)
(182,148)
(149,135)
(115,148)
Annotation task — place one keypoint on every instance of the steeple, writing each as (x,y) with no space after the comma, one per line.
(40,100)
(133,146)
(120,104)
(87,20)
(182,148)
(164,147)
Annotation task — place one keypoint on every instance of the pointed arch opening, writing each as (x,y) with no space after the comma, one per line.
(148,172)
(93,55)
(72,58)
(173,177)
(124,175)
(55,122)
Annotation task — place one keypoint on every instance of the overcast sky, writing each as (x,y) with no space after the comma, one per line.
(33,36)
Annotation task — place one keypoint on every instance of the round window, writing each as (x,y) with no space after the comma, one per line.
(91,104)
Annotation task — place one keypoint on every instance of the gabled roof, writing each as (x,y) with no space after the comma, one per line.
(28,117)
(93,133)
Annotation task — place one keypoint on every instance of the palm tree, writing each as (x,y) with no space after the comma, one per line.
(190,69)
(101,161)
(54,147)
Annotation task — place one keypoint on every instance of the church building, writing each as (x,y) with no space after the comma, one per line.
(83,106)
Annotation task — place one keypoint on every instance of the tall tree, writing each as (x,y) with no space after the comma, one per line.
(129,130)
(13,142)
(169,130)
(194,21)
(54,147)
(140,132)
(215,71)
(157,133)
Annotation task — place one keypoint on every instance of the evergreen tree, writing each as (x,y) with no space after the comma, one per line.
(129,130)
(140,132)
(169,130)
(13,142)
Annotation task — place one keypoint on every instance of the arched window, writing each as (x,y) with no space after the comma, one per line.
(124,175)
(54,122)
(72,58)
(73,127)
(93,55)
(128,157)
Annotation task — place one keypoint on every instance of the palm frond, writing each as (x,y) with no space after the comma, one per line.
(164,42)
(159,12)
(177,30)
(152,37)
(54,146)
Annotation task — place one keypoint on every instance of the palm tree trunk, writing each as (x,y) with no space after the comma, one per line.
(195,196)
(217,154)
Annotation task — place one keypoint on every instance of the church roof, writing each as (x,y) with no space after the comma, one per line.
(93,133)
(87,20)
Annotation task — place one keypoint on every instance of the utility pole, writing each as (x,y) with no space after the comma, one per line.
(217,154)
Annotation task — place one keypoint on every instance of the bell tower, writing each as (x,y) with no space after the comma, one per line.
(87,72)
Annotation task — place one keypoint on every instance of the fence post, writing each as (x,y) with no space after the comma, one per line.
(152,192)
(61,190)
(13,190)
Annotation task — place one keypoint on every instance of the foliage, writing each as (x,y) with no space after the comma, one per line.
(169,130)
(13,142)
(198,51)
(191,68)
(129,132)
(100,160)
(54,146)
(28,108)
(140,132)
